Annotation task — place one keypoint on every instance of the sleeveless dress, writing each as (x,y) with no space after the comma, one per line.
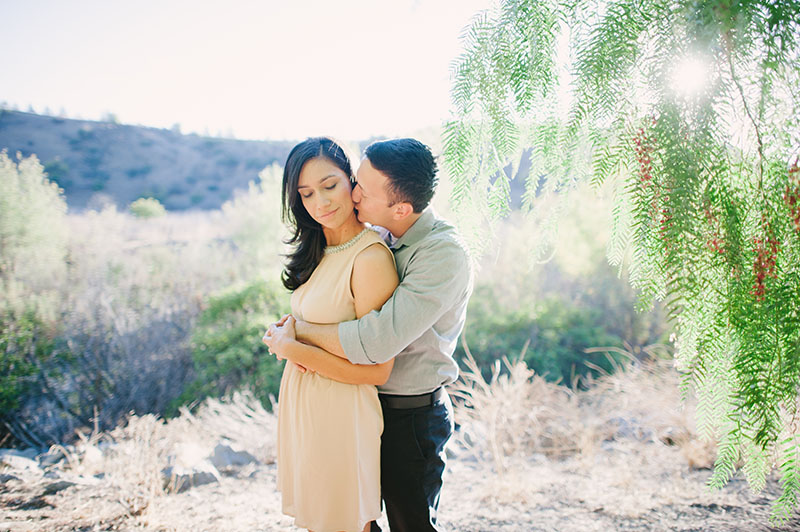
(329,433)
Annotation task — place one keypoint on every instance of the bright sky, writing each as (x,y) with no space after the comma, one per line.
(264,69)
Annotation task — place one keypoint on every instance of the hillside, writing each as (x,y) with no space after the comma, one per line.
(99,162)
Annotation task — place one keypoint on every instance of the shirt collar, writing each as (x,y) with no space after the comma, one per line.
(418,230)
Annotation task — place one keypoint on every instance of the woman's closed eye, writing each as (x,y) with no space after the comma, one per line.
(331,187)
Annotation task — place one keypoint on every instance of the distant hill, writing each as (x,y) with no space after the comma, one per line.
(97,162)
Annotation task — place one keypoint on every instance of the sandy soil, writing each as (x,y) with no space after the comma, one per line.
(624,485)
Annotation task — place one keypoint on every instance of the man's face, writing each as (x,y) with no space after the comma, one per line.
(370,196)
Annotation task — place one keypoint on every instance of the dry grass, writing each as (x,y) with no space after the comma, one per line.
(530,456)
(130,459)
(517,415)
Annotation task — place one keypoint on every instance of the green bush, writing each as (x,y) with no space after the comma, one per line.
(58,171)
(33,234)
(147,208)
(226,344)
(554,335)
(25,343)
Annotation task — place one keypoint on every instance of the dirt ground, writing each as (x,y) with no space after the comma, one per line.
(626,485)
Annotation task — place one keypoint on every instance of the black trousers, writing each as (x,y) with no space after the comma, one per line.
(412,464)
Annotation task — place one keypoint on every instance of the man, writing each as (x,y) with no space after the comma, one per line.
(418,326)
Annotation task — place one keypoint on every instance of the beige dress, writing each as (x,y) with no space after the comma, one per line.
(329,433)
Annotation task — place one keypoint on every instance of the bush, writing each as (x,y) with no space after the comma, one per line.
(226,344)
(553,334)
(58,171)
(147,208)
(32,231)
(33,243)
(24,343)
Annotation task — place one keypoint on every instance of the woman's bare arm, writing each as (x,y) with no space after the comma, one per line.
(373,281)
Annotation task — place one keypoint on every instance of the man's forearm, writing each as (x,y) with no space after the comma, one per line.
(324,336)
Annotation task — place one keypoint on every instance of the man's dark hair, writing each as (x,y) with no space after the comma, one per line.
(410,167)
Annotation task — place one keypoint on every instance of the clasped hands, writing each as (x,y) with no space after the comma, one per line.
(279,335)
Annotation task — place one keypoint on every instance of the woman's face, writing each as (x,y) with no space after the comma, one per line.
(325,191)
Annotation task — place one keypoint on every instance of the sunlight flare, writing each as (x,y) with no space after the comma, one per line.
(689,76)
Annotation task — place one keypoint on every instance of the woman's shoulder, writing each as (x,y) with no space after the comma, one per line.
(373,253)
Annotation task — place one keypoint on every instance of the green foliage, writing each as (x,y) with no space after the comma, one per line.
(23,341)
(58,172)
(32,230)
(226,344)
(707,181)
(147,208)
(554,337)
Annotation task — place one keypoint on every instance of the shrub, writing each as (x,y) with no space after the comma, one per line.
(226,344)
(32,230)
(24,342)
(32,249)
(553,334)
(57,171)
(147,208)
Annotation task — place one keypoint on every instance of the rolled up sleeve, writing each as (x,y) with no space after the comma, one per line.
(437,276)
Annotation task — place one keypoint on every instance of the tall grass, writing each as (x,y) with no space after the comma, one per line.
(132,457)
(516,414)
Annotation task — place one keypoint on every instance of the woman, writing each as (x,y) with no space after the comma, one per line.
(329,421)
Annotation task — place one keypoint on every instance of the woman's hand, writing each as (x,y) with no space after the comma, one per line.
(279,335)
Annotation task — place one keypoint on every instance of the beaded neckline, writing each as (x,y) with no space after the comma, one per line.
(345,245)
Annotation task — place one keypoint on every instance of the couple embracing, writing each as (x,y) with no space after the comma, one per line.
(380,287)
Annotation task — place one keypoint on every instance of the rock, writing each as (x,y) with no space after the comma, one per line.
(5,478)
(29,453)
(50,458)
(55,487)
(179,478)
(19,463)
(226,457)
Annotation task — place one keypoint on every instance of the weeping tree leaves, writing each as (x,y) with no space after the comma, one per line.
(691,110)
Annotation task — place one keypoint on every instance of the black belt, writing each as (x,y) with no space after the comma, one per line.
(412,401)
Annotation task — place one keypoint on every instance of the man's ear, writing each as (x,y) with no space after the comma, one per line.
(402,210)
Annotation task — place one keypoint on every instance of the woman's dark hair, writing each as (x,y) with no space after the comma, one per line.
(410,167)
(308,239)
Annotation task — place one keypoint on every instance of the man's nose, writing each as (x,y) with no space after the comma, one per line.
(356,193)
